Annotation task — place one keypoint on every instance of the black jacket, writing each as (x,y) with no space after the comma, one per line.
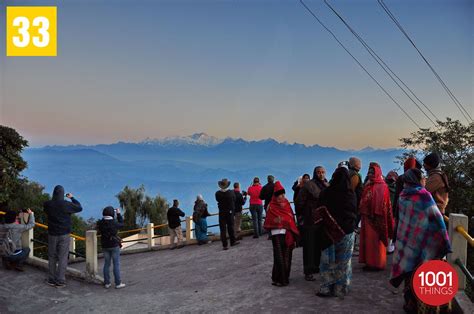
(296,189)
(266,193)
(59,212)
(173,215)
(307,200)
(108,229)
(239,201)
(225,202)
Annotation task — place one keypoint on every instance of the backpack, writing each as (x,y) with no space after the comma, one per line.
(6,244)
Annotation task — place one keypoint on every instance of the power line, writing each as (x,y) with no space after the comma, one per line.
(461,108)
(384,66)
(357,61)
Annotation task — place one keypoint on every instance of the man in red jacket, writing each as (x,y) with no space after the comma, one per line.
(256,207)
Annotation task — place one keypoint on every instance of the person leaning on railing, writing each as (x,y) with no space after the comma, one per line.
(59,213)
(12,253)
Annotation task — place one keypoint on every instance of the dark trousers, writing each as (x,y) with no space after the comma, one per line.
(226,224)
(311,250)
(18,258)
(256,211)
(282,255)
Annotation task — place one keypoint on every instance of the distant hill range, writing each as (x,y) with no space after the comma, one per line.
(182,167)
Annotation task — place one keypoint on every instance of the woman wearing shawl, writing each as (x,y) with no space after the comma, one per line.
(421,234)
(281,224)
(199,217)
(341,202)
(377,221)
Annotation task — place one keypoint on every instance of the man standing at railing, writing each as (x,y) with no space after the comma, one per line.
(58,212)
(226,202)
(437,182)
(174,215)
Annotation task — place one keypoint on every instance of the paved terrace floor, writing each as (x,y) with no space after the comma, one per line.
(198,279)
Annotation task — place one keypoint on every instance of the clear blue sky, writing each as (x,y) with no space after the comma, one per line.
(132,69)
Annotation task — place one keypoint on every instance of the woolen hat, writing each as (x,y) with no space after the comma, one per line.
(108,211)
(223,184)
(432,160)
(279,189)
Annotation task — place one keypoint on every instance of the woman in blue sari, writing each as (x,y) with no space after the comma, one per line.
(199,217)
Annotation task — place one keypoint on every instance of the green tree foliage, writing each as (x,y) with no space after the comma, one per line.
(140,208)
(454,142)
(11,162)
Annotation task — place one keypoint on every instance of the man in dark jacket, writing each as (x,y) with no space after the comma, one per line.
(240,199)
(174,215)
(226,202)
(58,212)
(306,201)
(108,228)
(266,193)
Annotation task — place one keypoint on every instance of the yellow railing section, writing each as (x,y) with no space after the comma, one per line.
(462,231)
(40,225)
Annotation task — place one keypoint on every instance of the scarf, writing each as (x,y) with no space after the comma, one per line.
(280,216)
(375,205)
(421,233)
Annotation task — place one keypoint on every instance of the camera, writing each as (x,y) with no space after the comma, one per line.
(244,193)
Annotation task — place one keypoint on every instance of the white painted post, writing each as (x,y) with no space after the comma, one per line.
(150,234)
(91,254)
(26,238)
(189,227)
(72,248)
(458,245)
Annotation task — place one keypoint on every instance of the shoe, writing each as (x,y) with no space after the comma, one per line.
(107,285)
(225,248)
(172,248)
(51,283)
(180,246)
(19,268)
(120,286)
(309,278)
(255,237)
(7,265)
(323,295)
(235,243)
(60,285)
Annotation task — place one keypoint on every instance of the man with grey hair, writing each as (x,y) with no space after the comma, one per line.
(357,186)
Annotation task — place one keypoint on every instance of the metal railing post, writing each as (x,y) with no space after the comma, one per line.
(189,227)
(458,245)
(26,241)
(150,231)
(72,248)
(91,254)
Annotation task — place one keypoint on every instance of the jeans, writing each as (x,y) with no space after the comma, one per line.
(112,254)
(19,258)
(256,212)
(58,251)
(226,224)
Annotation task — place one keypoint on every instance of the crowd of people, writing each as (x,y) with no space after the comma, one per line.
(332,221)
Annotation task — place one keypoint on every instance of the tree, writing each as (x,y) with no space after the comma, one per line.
(454,142)
(11,162)
(139,208)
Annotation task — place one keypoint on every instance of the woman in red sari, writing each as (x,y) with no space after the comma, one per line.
(280,223)
(377,221)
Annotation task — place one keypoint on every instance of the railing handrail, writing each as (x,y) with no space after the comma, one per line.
(43,226)
(460,229)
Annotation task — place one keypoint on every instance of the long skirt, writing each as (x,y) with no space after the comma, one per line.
(372,251)
(201,230)
(282,255)
(336,267)
(311,250)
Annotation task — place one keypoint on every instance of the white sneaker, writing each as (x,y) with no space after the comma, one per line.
(120,286)
(107,286)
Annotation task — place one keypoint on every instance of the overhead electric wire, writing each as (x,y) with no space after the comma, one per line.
(385,67)
(357,61)
(461,108)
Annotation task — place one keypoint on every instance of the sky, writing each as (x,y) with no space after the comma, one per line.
(131,69)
